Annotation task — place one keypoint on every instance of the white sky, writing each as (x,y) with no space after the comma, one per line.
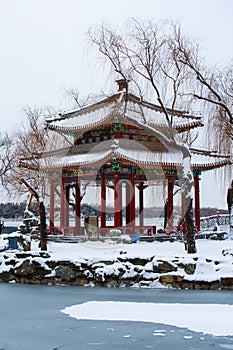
(42,44)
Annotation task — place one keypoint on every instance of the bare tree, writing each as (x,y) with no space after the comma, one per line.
(212,86)
(214,89)
(144,56)
(7,156)
(22,169)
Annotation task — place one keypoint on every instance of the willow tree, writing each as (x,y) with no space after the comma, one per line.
(214,91)
(213,88)
(143,54)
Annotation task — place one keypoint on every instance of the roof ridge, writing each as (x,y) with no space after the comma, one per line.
(115,98)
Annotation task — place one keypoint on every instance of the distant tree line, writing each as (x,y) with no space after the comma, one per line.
(16,210)
(12,210)
(212,211)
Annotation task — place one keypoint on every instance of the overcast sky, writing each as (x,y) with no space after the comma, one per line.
(42,44)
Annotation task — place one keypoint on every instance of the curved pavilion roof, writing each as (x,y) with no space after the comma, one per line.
(128,151)
(128,109)
(118,106)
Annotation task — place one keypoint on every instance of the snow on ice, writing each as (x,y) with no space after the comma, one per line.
(179,315)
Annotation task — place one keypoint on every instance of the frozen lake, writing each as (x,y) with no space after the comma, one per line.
(31,318)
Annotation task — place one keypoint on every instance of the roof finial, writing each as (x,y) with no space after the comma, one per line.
(122,84)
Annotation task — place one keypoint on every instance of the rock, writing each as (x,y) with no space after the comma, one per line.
(65,273)
(24,269)
(227,252)
(99,277)
(113,283)
(170,279)
(32,270)
(11,262)
(227,283)
(22,255)
(24,242)
(200,285)
(138,261)
(188,268)
(160,266)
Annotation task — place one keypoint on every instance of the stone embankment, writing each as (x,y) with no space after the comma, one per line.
(40,268)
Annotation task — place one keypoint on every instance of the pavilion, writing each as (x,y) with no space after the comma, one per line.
(114,148)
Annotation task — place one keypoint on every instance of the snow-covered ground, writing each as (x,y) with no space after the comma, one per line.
(106,250)
(214,259)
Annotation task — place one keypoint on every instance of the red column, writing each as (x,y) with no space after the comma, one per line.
(127,199)
(66,209)
(51,208)
(62,205)
(117,201)
(77,210)
(103,201)
(120,200)
(170,203)
(197,202)
(141,205)
(132,203)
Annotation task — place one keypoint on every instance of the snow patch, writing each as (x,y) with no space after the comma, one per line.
(215,319)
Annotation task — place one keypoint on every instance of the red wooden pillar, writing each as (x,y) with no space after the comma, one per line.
(66,209)
(132,203)
(127,199)
(77,210)
(103,201)
(51,208)
(197,202)
(62,205)
(120,200)
(170,205)
(141,205)
(117,201)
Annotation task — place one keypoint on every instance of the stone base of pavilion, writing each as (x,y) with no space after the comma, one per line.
(212,227)
(127,234)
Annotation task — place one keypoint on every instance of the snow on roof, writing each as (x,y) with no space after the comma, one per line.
(208,161)
(116,106)
(83,119)
(128,150)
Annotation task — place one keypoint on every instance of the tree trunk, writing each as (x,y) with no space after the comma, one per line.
(187,203)
(231,222)
(43,239)
(190,230)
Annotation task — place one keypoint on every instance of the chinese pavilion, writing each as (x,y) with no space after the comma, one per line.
(114,148)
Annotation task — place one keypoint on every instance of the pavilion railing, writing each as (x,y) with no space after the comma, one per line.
(218,219)
(205,222)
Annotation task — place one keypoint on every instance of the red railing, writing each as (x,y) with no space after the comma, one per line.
(213,220)
(206,223)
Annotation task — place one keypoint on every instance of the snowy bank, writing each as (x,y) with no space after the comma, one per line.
(154,265)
